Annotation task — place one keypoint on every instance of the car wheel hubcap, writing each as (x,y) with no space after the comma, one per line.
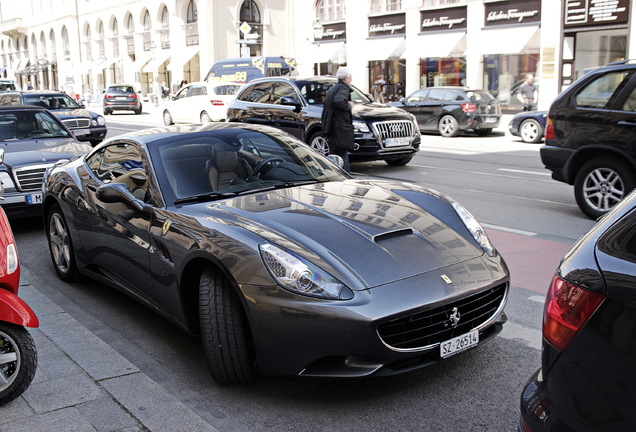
(603,189)
(448,126)
(60,245)
(167,119)
(529,131)
(321,145)
(9,360)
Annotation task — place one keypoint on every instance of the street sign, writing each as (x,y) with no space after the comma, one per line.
(245,28)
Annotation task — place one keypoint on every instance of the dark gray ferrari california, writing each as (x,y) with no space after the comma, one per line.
(281,261)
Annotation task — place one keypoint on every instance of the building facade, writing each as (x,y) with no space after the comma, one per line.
(393,47)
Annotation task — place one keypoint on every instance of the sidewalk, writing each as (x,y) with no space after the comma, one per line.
(84,385)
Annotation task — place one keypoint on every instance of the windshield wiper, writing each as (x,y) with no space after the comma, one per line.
(282,185)
(212,196)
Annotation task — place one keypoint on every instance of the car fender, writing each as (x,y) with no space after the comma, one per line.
(587,153)
(15,310)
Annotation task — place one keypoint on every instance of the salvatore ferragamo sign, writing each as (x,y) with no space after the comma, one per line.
(387,25)
(443,19)
(513,12)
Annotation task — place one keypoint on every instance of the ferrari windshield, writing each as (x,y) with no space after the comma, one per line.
(226,162)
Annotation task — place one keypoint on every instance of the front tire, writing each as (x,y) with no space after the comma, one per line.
(61,245)
(225,332)
(531,131)
(602,183)
(448,126)
(319,143)
(167,118)
(18,361)
(205,117)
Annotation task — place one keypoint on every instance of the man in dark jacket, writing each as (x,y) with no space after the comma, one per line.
(337,125)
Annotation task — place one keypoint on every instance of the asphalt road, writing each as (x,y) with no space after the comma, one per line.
(531,219)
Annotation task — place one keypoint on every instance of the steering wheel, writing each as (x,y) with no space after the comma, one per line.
(267,162)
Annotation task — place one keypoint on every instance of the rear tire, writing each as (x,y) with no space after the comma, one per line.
(205,117)
(18,361)
(225,331)
(448,126)
(531,131)
(602,183)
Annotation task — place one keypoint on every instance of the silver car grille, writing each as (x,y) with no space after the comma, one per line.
(425,329)
(393,129)
(30,178)
(77,123)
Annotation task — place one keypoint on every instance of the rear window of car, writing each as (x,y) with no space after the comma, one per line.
(121,89)
(226,90)
(600,91)
(479,96)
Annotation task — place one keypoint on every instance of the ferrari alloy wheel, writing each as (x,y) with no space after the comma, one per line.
(531,131)
(448,126)
(18,361)
(225,332)
(602,183)
(61,246)
(319,143)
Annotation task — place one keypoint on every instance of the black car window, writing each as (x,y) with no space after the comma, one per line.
(120,89)
(630,102)
(30,124)
(282,90)
(226,90)
(121,163)
(313,92)
(260,92)
(10,99)
(418,96)
(196,90)
(601,90)
(438,95)
(479,96)
(183,93)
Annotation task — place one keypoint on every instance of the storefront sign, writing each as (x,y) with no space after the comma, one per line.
(332,32)
(583,13)
(443,19)
(513,12)
(387,25)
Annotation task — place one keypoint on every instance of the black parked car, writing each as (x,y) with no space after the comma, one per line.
(450,110)
(528,125)
(586,381)
(86,125)
(33,140)
(295,106)
(121,97)
(590,137)
(245,235)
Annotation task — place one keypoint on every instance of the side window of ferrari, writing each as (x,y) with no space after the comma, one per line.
(121,163)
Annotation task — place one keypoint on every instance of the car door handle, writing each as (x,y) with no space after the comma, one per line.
(626,123)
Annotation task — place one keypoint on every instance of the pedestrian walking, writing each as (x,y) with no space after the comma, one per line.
(337,125)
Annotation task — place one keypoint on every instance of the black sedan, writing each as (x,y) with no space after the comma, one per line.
(587,381)
(33,140)
(280,261)
(86,125)
(451,110)
(529,125)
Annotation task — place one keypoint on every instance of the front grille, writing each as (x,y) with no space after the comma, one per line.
(77,123)
(30,178)
(433,326)
(392,129)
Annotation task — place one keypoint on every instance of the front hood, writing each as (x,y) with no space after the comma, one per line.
(41,151)
(379,112)
(64,114)
(369,231)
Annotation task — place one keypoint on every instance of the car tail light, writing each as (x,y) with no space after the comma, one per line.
(134,95)
(216,102)
(549,129)
(567,309)
(469,107)
(107,96)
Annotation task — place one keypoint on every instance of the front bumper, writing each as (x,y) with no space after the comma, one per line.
(22,204)
(310,337)
(369,149)
(95,133)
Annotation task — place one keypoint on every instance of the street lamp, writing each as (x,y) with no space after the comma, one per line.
(318,31)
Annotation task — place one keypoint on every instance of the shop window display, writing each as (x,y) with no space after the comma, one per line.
(386,80)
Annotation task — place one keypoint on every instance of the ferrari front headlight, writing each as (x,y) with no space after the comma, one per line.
(300,276)
(475,228)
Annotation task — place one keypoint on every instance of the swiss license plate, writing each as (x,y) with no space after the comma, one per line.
(459,344)
(490,120)
(79,132)
(34,199)
(396,142)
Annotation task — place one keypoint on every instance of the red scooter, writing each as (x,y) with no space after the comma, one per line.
(18,356)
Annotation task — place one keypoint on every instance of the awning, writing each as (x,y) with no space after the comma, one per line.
(186,55)
(141,61)
(386,48)
(105,63)
(332,52)
(511,40)
(24,63)
(441,45)
(155,64)
(18,66)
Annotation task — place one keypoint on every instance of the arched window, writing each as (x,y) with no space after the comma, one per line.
(165,18)
(147,22)
(87,36)
(114,28)
(330,10)
(65,45)
(192,14)
(250,12)
(130,25)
